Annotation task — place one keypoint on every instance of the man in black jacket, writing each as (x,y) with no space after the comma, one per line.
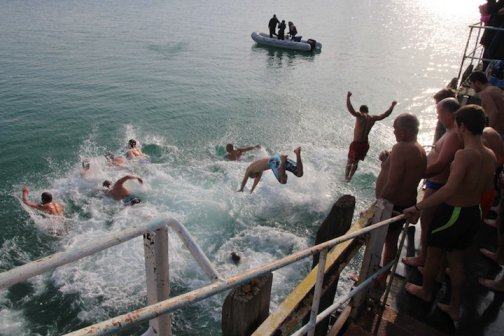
(272,25)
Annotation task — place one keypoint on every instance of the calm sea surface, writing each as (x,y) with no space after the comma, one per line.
(80,78)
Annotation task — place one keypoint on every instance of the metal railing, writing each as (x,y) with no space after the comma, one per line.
(474,50)
(156,258)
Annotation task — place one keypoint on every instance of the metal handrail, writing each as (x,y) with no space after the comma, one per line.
(31,269)
(167,306)
(472,54)
(152,311)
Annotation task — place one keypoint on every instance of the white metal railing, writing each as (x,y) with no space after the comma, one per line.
(473,50)
(161,305)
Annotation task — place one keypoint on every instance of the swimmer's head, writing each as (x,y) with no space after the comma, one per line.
(107,184)
(132,143)
(229,148)
(109,156)
(46,197)
(86,165)
(363,109)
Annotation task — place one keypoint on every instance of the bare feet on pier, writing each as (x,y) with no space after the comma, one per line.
(413,261)
(454,313)
(418,291)
(491,255)
(495,285)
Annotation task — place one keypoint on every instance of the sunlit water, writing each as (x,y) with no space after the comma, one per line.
(80,78)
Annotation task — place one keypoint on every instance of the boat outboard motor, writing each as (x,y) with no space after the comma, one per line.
(313,44)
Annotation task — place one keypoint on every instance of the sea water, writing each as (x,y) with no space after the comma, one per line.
(79,79)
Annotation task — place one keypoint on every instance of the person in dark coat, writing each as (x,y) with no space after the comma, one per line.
(272,24)
(292,30)
(281,30)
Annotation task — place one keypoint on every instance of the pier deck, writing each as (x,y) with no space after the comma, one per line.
(482,311)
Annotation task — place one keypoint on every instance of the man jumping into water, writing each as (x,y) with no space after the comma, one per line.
(360,144)
(48,205)
(118,192)
(279,164)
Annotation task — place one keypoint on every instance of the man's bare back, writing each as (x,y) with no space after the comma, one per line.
(492,100)
(47,205)
(117,191)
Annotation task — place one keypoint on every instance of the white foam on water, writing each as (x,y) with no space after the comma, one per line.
(199,190)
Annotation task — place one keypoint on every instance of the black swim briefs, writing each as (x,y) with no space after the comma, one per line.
(453,228)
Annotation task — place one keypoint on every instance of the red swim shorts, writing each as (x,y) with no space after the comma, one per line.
(358,151)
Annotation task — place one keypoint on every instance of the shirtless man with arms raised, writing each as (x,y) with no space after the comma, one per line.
(279,164)
(438,169)
(492,100)
(234,154)
(118,192)
(48,205)
(458,215)
(360,144)
(401,172)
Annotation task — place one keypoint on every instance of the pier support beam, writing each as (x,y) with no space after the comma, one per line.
(372,255)
(336,224)
(246,307)
(157,276)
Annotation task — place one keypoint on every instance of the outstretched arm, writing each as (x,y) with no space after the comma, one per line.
(350,107)
(26,201)
(386,113)
(121,181)
(248,148)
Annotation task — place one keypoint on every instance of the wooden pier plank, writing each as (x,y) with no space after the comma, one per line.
(292,301)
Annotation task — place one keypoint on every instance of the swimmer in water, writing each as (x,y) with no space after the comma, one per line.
(47,205)
(134,151)
(234,154)
(118,192)
(279,164)
(114,160)
(86,168)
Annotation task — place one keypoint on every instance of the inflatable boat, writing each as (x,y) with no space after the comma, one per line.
(298,44)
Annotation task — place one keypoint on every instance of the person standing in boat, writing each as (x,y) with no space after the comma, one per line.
(292,30)
(401,170)
(272,24)
(458,215)
(492,100)
(47,205)
(360,144)
(281,30)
